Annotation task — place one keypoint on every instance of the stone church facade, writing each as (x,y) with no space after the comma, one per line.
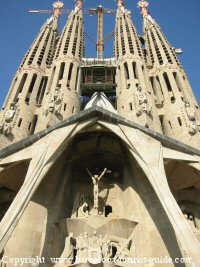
(100,158)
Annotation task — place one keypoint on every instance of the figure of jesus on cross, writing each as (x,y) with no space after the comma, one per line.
(95,179)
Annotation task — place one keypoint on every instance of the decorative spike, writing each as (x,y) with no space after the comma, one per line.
(58,6)
(144,7)
(79,4)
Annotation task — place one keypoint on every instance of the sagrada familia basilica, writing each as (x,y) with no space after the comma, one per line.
(100,157)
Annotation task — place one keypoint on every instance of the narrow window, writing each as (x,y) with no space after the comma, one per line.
(73,110)
(61,73)
(21,86)
(30,90)
(19,122)
(126,72)
(29,126)
(170,124)
(179,121)
(167,82)
(70,72)
(131,106)
(41,90)
(161,117)
(77,76)
(135,70)
(34,123)
(173,99)
(176,78)
(65,106)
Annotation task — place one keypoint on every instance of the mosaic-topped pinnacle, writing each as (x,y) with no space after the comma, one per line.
(144,7)
(58,5)
(79,4)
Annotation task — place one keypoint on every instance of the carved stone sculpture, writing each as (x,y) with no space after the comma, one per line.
(94,249)
(142,102)
(95,180)
(68,251)
(191,114)
(8,120)
(82,248)
(55,103)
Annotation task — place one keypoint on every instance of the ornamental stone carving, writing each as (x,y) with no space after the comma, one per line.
(8,120)
(55,103)
(192,122)
(143,105)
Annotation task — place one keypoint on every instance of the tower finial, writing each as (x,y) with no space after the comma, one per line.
(79,4)
(57,8)
(120,3)
(143,4)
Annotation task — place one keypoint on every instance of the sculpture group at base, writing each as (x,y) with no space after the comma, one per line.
(94,249)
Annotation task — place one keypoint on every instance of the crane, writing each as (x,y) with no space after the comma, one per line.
(56,11)
(100,11)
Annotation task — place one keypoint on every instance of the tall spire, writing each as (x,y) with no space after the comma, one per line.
(58,6)
(30,82)
(144,7)
(177,105)
(134,99)
(61,99)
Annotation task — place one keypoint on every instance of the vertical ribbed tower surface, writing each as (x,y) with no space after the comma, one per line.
(61,99)
(177,106)
(19,115)
(135,99)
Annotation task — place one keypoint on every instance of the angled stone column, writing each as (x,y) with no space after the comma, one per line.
(44,158)
(148,152)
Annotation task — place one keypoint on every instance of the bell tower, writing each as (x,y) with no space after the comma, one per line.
(62,99)
(19,115)
(134,94)
(177,106)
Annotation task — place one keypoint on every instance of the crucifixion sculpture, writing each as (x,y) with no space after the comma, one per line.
(95,180)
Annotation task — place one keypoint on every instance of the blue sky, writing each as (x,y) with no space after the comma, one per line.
(179,19)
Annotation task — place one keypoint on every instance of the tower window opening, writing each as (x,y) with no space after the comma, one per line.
(34,123)
(65,106)
(135,70)
(21,86)
(176,78)
(166,78)
(73,109)
(77,77)
(19,122)
(41,90)
(131,106)
(62,69)
(179,121)
(161,118)
(173,99)
(170,124)
(70,73)
(30,90)
(29,126)
(126,71)
(151,79)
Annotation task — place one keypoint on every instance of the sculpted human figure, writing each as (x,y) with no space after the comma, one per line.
(95,179)
(6,125)
(55,102)
(82,248)
(193,124)
(142,102)
(106,248)
(68,251)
